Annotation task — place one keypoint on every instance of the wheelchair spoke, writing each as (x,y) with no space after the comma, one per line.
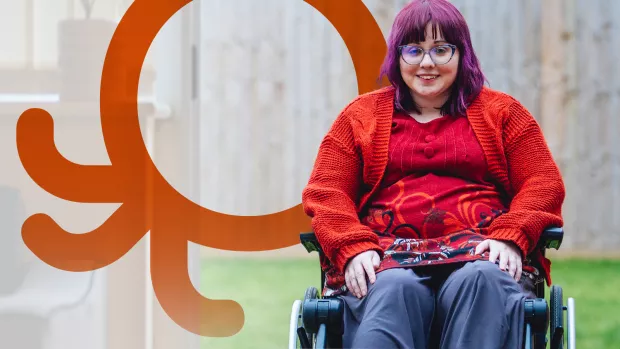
(528,336)
(321,337)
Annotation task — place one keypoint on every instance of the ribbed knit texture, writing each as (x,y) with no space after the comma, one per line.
(352,159)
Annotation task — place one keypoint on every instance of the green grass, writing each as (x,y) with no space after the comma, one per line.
(266,289)
(595,286)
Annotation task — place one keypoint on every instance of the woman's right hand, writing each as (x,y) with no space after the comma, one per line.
(356,270)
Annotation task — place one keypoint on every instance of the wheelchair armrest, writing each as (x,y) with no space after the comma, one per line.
(310,242)
(551,238)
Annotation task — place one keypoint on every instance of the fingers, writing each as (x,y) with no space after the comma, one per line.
(360,267)
(347,280)
(360,277)
(509,258)
(354,287)
(376,260)
(352,280)
(503,260)
(493,254)
(483,246)
(370,271)
(515,267)
(512,266)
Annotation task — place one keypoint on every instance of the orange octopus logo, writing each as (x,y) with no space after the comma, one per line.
(148,201)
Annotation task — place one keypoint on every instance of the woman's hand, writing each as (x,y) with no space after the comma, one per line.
(508,253)
(356,270)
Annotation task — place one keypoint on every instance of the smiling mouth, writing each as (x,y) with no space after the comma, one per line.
(428,77)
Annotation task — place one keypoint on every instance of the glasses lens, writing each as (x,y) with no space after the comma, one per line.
(412,54)
(441,54)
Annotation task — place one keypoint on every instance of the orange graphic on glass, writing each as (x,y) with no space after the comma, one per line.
(148,201)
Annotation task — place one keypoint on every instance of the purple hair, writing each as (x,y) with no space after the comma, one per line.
(409,26)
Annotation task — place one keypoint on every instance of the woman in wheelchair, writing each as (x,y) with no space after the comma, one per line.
(429,196)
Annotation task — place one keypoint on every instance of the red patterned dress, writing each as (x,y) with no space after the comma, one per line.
(436,198)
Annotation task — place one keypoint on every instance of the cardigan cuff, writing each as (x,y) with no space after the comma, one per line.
(346,252)
(513,235)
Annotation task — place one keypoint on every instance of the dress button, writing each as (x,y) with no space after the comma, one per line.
(429,138)
(429,152)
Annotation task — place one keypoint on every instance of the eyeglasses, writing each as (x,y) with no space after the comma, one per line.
(415,54)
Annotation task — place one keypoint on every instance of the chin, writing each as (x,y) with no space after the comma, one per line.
(428,93)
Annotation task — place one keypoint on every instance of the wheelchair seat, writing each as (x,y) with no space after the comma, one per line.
(317,322)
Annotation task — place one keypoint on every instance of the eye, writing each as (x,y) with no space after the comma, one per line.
(412,50)
(443,50)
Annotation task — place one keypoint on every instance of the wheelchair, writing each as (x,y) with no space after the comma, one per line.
(317,322)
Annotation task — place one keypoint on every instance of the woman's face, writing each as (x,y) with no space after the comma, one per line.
(427,80)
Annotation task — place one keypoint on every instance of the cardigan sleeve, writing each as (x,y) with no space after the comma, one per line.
(330,197)
(537,184)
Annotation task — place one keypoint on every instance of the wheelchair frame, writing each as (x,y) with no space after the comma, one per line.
(317,322)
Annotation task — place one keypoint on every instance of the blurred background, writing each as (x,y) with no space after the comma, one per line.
(235,97)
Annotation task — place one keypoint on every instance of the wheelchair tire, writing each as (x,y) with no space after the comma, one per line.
(556,331)
(311,293)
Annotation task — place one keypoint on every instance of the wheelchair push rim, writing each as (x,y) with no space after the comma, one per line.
(571,323)
(295,322)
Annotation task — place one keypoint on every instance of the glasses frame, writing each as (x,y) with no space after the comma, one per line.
(400,53)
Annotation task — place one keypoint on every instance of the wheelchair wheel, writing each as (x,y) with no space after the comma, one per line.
(557,318)
(311,293)
(299,337)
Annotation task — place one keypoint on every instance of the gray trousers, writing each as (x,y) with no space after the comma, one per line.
(475,305)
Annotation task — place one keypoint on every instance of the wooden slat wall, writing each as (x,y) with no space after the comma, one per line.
(276,74)
(274,79)
(505,38)
(593,157)
(614,124)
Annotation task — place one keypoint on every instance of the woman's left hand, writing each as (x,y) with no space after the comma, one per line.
(508,253)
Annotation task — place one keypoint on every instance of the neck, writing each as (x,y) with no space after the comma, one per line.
(430,104)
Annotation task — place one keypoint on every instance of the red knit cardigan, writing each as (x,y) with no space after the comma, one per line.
(353,156)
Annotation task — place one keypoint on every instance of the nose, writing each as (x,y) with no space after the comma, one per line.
(427,62)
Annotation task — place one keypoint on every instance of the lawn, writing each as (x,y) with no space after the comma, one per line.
(266,290)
